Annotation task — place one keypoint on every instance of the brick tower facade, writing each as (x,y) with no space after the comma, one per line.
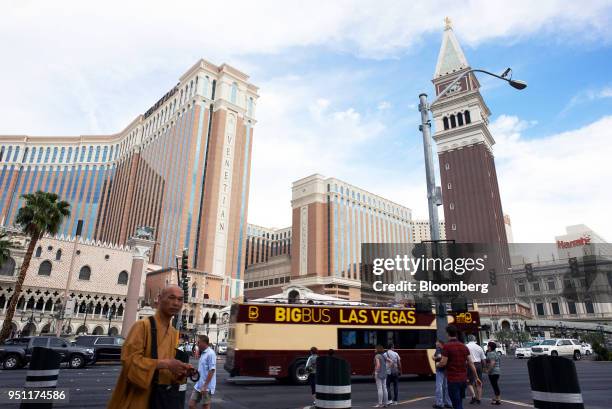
(470,192)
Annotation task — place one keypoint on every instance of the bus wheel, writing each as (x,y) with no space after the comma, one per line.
(298,373)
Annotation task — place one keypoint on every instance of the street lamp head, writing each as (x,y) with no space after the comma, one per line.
(518,84)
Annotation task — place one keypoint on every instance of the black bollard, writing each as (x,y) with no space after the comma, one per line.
(42,375)
(554,383)
(333,386)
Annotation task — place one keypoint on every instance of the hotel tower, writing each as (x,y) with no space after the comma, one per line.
(182,167)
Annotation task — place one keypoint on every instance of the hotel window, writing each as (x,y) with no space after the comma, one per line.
(40,152)
(82,154)
(104,152)
(536,286)
(571,307)
(447,166)
(454,226)
(452,206)
(97,157)
(588,306)
(449,186)
(234,92)
(540,308)
(521,288)
(47,153)
(555,308)
(551,285)
(16,154)
(567,283)
(61,157)
(89,153)
(31,154)
(54,155)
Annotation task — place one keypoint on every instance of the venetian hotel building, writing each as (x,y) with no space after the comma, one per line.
(182,167)
(331,219)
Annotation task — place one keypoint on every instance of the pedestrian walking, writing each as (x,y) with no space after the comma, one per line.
(493,370)
(456,358)
(442,399)
(478,357)
(150,376)
(311,369)
(380,376)
(394,371)
(205,387)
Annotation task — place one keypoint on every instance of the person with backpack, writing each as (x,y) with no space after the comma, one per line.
(311,369)
(394,371)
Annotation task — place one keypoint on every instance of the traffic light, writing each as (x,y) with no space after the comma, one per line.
(185,279)
(493,277)
(529,272)
(573,265)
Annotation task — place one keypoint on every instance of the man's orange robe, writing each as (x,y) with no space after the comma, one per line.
(134,384)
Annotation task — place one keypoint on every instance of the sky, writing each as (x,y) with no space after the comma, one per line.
(339,84)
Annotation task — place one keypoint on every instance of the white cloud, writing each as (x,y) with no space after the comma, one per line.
(383,105)
(554,181)
(128,53)
(588,96)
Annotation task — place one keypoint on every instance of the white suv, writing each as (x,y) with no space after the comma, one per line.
(558,347)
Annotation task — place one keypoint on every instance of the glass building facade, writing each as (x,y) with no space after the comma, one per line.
(183,168)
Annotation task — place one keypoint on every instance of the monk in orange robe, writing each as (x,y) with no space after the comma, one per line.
(134,385)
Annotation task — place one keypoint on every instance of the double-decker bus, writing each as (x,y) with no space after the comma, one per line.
(274,339)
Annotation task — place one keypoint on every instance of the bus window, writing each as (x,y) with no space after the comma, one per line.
(403,338)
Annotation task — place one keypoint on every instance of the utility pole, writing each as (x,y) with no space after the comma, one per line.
(434,199)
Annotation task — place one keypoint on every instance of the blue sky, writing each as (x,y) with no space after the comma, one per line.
(339,83)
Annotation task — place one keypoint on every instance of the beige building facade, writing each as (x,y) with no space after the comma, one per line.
(96,275)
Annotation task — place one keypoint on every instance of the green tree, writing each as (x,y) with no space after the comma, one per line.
(5,247)
(41,213)
(521,336)
(504,336)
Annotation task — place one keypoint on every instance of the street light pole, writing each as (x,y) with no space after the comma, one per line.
(434,196)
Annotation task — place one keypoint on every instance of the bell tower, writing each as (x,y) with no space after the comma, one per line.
(470,193)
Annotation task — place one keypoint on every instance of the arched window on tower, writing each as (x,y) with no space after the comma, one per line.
(445,122)
(467,117)
(38,251)
(58,254)
(453,124)
(460,119)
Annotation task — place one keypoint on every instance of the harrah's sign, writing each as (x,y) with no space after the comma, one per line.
(582,241)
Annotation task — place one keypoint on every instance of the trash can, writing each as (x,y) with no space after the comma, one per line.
(554,383)
(333,383)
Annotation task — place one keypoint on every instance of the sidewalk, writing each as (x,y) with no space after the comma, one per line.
(426,402)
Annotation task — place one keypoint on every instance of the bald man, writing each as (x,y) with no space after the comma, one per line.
(143,374)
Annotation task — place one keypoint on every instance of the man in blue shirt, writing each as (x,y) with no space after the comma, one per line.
(205,387)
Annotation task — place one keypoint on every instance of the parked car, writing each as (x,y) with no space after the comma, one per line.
(525,350)
(106,348)
(17,352)
(558,347)
(587,349)
(222,348)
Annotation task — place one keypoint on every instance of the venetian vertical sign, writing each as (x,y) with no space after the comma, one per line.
(225,191)
(304,240)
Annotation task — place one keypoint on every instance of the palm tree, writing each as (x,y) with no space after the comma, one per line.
(41,213)
(5,245)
